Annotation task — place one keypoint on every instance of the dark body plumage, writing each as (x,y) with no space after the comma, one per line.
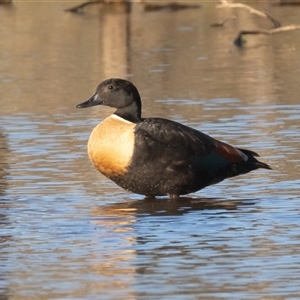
(161,157)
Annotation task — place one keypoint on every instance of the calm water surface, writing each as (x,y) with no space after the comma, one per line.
(69,233)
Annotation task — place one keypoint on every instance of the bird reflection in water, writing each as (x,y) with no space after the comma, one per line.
(166,207)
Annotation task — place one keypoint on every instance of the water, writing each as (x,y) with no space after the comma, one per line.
(69,233)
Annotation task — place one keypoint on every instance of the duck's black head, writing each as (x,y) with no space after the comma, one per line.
(118,93)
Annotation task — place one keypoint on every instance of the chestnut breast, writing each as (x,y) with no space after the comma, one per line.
(111,146)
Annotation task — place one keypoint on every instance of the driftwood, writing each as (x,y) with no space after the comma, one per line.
(172,6)
(287,3)
(239,40)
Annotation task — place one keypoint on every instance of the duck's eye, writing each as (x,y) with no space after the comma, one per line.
(110,87)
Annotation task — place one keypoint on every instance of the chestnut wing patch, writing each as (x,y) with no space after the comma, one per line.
(231,154)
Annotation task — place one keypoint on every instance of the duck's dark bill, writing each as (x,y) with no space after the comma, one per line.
(94,100)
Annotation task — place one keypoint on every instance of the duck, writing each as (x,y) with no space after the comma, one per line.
(157,156)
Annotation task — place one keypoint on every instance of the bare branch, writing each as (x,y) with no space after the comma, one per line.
(239,40)
(284,28)
(225,4)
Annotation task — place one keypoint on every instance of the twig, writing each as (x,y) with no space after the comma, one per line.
(222,23)
(77,8)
